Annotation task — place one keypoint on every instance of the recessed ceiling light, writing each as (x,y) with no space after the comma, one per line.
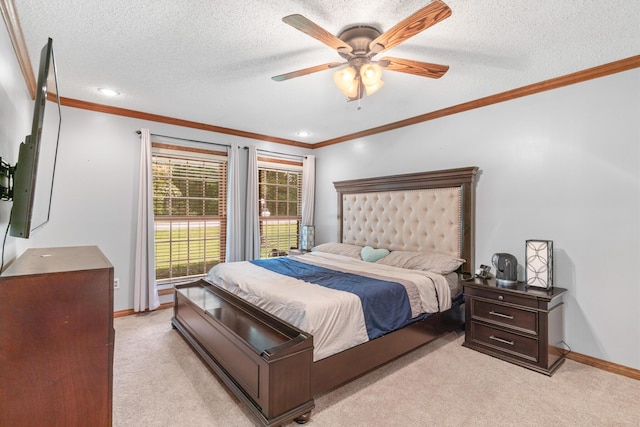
(303,133)
(108,92)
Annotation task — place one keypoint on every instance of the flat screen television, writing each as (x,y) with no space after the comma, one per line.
(34,173)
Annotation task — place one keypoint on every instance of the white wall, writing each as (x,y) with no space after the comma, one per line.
(561,165)
(96,187)
(16,108)
(94,198)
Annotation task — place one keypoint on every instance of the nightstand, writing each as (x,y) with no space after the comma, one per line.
(519,324)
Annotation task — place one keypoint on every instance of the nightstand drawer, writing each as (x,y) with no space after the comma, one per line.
(494,294)
(506,342)
(511,317)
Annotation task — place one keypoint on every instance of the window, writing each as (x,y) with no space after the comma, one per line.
(280,192)
(189,205)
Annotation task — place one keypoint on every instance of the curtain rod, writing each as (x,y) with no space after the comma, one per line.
(186,139)
(295,156)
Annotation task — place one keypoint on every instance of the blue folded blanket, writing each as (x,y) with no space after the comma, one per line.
(385,304)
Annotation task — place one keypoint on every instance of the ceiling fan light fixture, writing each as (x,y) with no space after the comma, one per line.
(371,89)
(353,90)
(345,80)
(358,44)
(371,74)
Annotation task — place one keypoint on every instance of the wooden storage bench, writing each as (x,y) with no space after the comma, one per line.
(264,361)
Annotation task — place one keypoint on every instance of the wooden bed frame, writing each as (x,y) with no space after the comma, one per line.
(268,363)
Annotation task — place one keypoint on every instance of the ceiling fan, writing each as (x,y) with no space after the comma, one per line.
(359,44)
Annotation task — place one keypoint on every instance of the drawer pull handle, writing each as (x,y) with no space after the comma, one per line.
(506,316)
(501,340)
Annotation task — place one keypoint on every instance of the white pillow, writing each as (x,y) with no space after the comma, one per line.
(434,262)
(344,249)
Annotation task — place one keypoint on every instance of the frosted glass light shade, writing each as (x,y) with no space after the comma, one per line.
(349,79)
(371,74)
(345,80)
(373,88)
(307,237)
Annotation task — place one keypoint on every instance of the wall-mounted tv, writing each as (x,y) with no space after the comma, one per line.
(34,173)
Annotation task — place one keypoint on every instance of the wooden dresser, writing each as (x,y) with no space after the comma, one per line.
(519,324)
(56,338)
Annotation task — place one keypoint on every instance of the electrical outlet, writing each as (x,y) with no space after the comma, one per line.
(116,283)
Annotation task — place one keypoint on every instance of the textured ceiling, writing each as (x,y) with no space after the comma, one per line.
(212,61)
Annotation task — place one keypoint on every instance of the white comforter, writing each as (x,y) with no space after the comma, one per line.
(333,317)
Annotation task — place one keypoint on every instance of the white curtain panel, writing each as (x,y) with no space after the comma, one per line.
(234,221)
(308,189)
(252,243)
(145,295)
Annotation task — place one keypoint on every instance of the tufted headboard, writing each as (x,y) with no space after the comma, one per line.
(427,211)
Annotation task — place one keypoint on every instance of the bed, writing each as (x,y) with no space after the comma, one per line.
(275,350)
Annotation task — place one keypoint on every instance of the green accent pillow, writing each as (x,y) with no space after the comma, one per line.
(372,255)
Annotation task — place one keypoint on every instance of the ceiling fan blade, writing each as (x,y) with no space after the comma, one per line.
(306,71)
(429,15)
(301,23)
(424,69)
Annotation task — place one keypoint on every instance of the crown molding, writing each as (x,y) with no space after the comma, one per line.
(17,40)
(75,103)
(569,79)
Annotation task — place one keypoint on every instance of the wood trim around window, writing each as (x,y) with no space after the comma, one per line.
(162,145)
(280,161)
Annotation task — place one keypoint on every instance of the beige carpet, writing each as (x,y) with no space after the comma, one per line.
(159,381)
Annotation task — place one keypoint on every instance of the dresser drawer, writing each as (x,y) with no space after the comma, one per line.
(513,344)
(511,317)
